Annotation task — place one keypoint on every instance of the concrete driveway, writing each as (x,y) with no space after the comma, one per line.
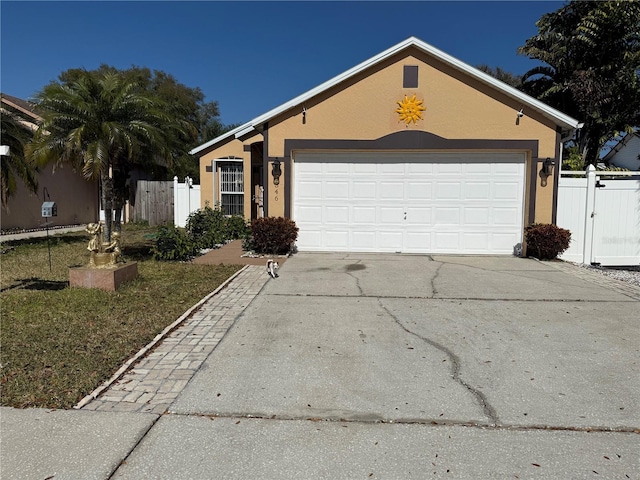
(389,366)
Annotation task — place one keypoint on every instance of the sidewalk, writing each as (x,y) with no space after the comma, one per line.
(40,233)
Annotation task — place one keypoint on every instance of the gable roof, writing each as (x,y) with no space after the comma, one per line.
(559,118)
(620,145)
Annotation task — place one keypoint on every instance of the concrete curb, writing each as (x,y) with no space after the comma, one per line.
(146,349)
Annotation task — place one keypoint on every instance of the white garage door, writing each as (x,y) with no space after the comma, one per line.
(409,202)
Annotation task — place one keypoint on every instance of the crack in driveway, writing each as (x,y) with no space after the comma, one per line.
(434,291)
(487,409)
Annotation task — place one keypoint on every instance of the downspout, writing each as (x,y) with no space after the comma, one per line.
(214,167)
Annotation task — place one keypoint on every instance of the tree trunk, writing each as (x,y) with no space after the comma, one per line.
(107,205)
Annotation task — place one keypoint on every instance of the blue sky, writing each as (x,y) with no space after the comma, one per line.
(250,56)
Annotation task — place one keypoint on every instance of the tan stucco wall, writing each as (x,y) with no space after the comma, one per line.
(364,108)
(234,148)
(457,107)
(76,198)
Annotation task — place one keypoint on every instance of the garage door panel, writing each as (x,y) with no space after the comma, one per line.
(475,241)
(364,190)
(389,240)
(477,216)
(447,241)
(336,190)
(506,169)
(390,215)
(364,215)
(483,169)
(447,216)
(506,191)
(477,190)
(420,168)
(309,214)
(392,169)
(504,241)
(309,190)
(336,168)
(418,192)
(364,168)
(418,216)
(311,239)
(449,168)
(504,216)
(391,191)
(417,242)
(337,215)
(409,202)
(448,191)
(337,239)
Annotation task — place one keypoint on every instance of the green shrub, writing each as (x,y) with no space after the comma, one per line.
(209,228)
(206,227)
(236,227)
(545,241)
(173,244)
(273,235)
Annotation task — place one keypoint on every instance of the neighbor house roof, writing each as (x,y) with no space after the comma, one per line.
(23,106)
(559,118)
(621,143)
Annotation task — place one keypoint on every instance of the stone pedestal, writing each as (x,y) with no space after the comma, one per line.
(104,278)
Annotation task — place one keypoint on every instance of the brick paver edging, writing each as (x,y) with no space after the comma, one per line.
(158,338)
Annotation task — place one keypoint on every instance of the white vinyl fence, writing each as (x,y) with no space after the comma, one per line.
(602,211)
(186,199)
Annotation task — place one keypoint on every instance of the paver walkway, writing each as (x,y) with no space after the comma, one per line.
(155,382)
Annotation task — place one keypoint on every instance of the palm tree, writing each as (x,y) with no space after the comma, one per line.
(103,124)
(15,166)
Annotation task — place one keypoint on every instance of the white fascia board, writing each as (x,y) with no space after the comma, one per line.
(230,133)
(528,101)
(246,131)
(555,115)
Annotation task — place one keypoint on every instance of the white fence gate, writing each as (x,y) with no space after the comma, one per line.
(603,215)
(186,199)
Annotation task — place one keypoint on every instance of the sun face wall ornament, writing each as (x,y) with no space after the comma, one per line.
(410,109)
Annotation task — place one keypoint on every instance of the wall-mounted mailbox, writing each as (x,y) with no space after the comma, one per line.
(49,209)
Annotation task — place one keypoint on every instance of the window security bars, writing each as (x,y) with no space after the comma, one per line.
(232,189)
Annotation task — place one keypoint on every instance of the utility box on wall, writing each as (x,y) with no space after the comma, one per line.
(49,209)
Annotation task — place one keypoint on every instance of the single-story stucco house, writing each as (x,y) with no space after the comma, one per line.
(410,151)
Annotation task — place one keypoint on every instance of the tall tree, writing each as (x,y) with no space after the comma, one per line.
(15,166)
(103,123)
(592,72)
(185,102)
(502,75)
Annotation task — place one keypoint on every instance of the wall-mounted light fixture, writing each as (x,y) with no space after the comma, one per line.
(546,171)
(519,115)
(276,171)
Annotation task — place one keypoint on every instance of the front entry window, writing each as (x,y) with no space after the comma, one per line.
(232,188)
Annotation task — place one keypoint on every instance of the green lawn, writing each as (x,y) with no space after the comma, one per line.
(59,343)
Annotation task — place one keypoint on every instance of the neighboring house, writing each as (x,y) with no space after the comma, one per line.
(410,151)
(76,198)
(626,153)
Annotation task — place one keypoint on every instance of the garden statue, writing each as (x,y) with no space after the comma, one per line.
(102,254)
